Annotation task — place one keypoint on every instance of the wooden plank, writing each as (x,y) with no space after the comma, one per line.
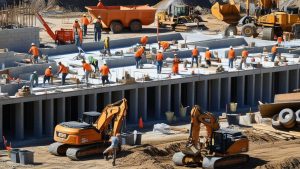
(289,97)
(269,128)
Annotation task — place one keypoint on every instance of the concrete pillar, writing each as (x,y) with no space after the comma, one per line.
(81,105)
(191,94)
(49,119)
(166,99)
(258,88)
(61,109)
(107,98)
(38,118)
(142,103)
(93,102)
(177,98)
(158,102)
(250,91)
(1,122)
(19,121)
(214,94)
(240,91)
(202,94)
(225,92)
(134,105)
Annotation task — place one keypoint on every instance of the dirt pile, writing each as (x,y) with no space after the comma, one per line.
(288,163)
(258,138)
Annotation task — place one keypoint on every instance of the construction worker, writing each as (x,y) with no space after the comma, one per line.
(97,29)
(195,54)
(279,40)
(100,5)
(159,61)
(76,25)
(78,43)
(231,56)
(245,54)
(93,62)
(138,56)
(34,79)
(35,53)
(112,149)
(208,57)
(64,71)
(84,23)
(164,44)
(144,40)
(274,51)
(87,68)
(175,68)
(48,75)
(104,72)
(107,46)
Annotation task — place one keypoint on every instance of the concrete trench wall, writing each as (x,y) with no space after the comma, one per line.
(36,116)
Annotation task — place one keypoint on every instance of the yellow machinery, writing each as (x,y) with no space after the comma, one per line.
(222,147)
(80,139)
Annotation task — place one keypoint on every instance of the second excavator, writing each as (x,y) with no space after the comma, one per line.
(222,148)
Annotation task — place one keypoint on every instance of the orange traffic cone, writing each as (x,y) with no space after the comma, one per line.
(141,124)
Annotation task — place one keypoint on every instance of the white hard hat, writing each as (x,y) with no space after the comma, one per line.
(35,72)
(50,67)
(175,54)
(230,46)
(104,62)
(207,48)
(32,44)
(160,51)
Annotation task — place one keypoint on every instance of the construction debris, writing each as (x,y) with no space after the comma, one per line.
(23,92)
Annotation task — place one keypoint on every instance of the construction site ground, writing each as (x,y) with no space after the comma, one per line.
(267,151)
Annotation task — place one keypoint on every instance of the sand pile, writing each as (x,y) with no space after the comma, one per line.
(288,163)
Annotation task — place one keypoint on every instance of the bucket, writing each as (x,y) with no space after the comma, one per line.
(128,139)
(233,107)
(26,157)
(183,111)
(251,117)
(233,119)
(170,116)
(14,155)
(137,138)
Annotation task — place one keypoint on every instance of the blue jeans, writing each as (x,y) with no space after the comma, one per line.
(97,36)
(63,78)
(159,66)
(137,61)
(35,59)
(196,60)
(231,63)
(273,56)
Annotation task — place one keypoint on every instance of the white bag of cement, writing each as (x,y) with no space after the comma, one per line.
(162,128)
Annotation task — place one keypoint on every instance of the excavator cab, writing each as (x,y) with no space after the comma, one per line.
(90,117)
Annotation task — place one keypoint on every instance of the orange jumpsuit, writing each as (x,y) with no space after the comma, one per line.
(175,68)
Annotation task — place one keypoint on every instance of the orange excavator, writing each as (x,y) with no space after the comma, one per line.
(92,136)
(222,149)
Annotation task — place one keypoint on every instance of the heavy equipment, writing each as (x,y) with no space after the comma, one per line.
(222,148)
(92,136)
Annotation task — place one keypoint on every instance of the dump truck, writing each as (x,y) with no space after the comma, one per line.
(116,18)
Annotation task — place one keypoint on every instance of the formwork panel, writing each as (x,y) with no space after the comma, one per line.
(258,89)
(293,80)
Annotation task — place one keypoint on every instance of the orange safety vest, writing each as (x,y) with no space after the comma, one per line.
(85,21)
(144,40)
(245,54)
(159,57)
(139,52)
(195,52)
(48,72)
(87,67)
(274,49)
(176,65)
(34,51)
(279,39)
(63,69)
(104,70)
(164,45)
(207,55)
(231,54)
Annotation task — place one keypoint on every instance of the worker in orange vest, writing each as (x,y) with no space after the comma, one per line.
(159,61)
(195,54)
(208,57)
(84,22)
(48,75)
(279,40)
(64,71)
(87,68)
(104,70)
(138,56)
(100,5)
(164,44)
(231,56)
(175,67)
(144,40)
(35,53)
(245,54)
(274,51)
(76,25)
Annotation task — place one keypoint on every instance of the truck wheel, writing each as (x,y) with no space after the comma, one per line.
(275,122)
(135,26)
(287,118)
(248,30)
(268,34)
(116,27)
(230,28)
(298,116)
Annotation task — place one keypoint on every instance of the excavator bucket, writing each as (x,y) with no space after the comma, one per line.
(224,162)
(228,12)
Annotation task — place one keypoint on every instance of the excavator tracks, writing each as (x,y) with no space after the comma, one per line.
(224,162)
(58,149)
(77,153)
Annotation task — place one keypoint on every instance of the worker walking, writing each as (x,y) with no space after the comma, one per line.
(144,40)
(107,46)
(48,75)
(231,56)
(84,22)
(175,68)
(98,29)
(78,43)
(93,62)
(35,53)
(87,69)
(64,71)
(34,79)
(244,57)
(274,51)
(112,149)
(138,56)
(195,54)
(159,61)
(104,72)
(208,57)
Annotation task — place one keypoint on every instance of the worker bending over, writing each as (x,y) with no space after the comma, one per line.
(78,43)
(97,29)
(231,56)
(164,44)
(48,75)
(138,56)
(175,67)
(112,149)
(87,68)
(274,51)
(195,54)
(144,40)
(93,62)
(35,53)
(104,72)
(64,71)
(245,54)
(76,26)
(208,57)
(159,61)
(34,79)
(84,23)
